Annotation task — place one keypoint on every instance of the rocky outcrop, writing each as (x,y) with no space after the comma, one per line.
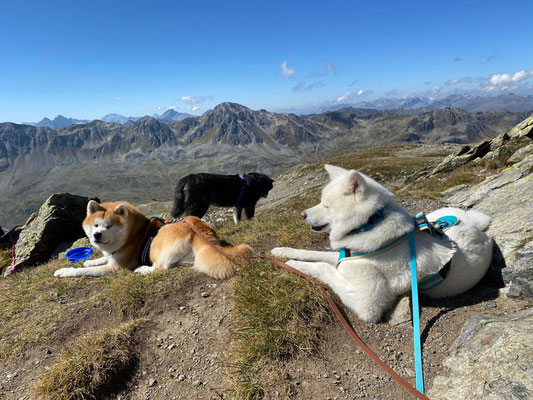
(489,148)
(492,359)
(58,221)
(507,198)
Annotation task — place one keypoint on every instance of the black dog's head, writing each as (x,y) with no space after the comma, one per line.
(260,182)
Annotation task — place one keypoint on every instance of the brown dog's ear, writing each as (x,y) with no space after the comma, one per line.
(121,210)
(93,206)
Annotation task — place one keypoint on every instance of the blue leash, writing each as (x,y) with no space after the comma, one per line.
(416,316)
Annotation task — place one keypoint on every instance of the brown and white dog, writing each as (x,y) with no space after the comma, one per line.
(122,233)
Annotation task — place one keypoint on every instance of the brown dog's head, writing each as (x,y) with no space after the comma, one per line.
(106,225)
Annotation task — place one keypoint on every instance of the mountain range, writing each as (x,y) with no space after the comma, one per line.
(467,102)
(143,159)
(62,122)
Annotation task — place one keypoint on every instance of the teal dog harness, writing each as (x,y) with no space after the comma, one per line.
(421,223)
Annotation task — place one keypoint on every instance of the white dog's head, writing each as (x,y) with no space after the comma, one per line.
(347,201)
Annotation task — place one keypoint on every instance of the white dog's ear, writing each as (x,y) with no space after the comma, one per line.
(353,181)
(122,210)
(93,206)
(334,171)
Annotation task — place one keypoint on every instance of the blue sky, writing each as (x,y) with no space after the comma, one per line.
(85,59)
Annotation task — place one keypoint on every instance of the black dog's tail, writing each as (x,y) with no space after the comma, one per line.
(179,201)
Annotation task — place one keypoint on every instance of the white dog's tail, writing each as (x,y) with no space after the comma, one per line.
(480,220)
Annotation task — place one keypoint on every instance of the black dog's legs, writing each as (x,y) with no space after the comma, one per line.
(198,210)
(249,211)
(237,214)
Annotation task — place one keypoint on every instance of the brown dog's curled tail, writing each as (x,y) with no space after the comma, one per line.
(215,265)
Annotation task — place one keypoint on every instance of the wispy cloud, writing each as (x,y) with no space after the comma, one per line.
(301,86)
(354,83)
(195,100)
(457,59)
(114,98)
(458,81)
(393,93)
(487,58)
(285,71)
(327,69)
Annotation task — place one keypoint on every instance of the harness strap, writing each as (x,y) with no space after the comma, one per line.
(144,258)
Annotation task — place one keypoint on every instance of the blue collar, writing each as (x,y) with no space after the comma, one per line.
(374,219)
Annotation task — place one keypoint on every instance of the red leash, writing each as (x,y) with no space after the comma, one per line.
(337,312)
(354,335)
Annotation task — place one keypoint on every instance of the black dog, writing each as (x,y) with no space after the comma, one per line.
(195,192)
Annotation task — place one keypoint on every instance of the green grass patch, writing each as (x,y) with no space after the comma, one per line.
(90,364)
(277,316)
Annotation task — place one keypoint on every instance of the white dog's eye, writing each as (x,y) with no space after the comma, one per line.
(96,225)
(325,206)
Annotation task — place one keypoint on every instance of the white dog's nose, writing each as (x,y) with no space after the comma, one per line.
(304,215)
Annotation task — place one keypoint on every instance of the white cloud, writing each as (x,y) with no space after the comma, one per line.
(195,108)
(114,98)
(504,79)
(195,100)
(285,71)
(362,92)
(343,97)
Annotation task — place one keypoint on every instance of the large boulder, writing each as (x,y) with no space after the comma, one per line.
(492,359)
(507,198)
(57,222)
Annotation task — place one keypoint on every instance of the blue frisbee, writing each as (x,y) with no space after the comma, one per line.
(78,254)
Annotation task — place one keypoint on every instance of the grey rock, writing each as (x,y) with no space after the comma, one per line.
(58,221)
(401,313)
(491,359)
(520,154)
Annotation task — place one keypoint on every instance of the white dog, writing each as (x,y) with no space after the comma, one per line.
(362,216)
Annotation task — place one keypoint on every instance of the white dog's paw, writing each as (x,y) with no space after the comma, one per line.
(144,270)
(65,272)
(283,252)
(90,263)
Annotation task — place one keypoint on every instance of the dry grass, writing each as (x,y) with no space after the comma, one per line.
(90,364)
(277,316)
(31,307)
(34,304)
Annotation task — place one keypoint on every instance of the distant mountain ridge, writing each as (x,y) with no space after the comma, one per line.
(510,102)
(144,158)
(60,122)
